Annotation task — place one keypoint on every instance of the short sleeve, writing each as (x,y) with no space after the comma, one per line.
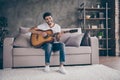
(56,28)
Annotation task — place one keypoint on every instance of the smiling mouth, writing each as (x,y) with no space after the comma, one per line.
(49,23)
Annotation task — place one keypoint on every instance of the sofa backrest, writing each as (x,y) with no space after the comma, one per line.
(70,39)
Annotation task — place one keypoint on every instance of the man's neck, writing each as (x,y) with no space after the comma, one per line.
(51,25)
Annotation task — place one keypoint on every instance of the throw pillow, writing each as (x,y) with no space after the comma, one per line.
(74,40)
(23,38)
(85,40)
(65,37)
(23,30)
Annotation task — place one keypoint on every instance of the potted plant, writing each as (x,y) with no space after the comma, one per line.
(100,35)
(3,31)
(3,21)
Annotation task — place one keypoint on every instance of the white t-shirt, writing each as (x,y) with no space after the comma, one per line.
(45,26)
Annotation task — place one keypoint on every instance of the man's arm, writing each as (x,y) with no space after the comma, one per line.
(58,36)
(33,29)
(36,31)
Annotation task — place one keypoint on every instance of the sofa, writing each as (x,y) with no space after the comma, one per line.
(24,55)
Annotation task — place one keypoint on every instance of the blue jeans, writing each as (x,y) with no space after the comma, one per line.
(49,47)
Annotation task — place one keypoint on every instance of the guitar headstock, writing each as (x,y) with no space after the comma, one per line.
(74,30)
(70,31)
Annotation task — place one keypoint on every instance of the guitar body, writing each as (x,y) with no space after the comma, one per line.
(37,39)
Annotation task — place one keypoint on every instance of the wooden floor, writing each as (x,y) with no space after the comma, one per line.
(113,62)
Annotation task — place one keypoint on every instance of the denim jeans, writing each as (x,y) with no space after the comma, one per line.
(49,47)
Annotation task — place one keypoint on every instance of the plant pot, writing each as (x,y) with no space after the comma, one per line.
(100,37)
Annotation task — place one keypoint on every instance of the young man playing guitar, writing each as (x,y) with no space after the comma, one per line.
(51,46)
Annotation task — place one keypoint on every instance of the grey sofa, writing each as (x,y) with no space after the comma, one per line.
(31,57)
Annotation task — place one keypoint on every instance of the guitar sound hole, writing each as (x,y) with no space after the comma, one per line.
(46,37)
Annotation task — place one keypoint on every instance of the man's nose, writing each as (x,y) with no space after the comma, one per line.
(49,19)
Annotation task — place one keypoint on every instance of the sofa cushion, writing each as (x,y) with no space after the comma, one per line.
(40,52)
(28,51)
(74,40)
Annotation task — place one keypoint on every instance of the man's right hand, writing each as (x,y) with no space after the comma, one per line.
(44,34)
(35,30)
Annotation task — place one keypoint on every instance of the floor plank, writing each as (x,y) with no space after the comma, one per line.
(110,61)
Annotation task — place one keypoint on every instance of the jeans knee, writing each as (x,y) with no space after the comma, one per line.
(62,44)
(48,45)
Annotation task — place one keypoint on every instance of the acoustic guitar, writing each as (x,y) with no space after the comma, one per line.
(37,40)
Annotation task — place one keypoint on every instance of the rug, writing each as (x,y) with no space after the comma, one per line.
(87,72)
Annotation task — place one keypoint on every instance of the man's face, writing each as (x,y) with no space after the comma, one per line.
(49,20)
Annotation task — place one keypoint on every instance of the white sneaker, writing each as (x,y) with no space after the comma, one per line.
(47,68)
(62,70)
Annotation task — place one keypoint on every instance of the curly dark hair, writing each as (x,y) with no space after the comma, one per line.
(46,14)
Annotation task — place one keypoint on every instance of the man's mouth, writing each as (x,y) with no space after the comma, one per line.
(49,23)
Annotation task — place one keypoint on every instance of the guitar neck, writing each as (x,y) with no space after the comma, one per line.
(58,33)
(68,31)
(54,34)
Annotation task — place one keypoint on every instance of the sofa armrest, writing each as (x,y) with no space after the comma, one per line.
(95,50)
(7,52)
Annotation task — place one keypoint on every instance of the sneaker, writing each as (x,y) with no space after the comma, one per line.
(62,70)
(47,69)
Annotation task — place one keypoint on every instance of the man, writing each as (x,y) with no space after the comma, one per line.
(51,46)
